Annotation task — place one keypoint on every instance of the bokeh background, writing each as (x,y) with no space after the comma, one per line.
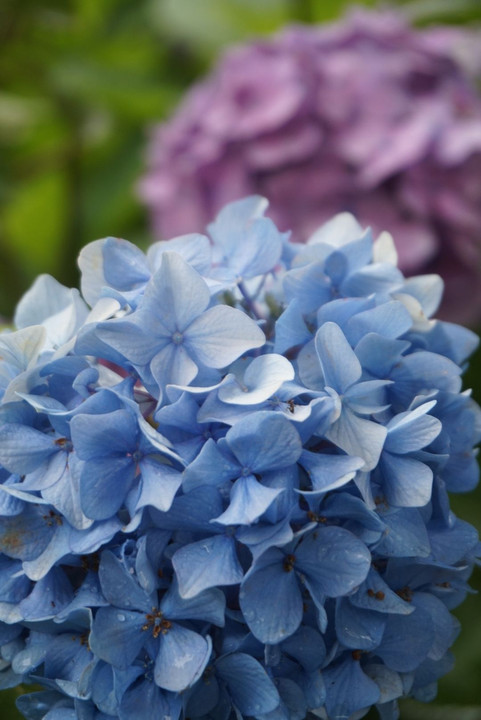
(81,84)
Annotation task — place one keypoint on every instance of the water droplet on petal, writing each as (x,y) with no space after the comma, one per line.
(120,617)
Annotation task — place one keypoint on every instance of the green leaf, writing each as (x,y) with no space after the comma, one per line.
(411,710)
(214,24)
(34,220)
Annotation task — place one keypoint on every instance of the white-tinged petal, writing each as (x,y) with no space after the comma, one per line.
(358,436)
(262,378)
(182,657)
(22,348)
(221,335)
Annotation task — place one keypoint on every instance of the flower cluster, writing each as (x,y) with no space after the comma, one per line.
(367,116)
(224,474)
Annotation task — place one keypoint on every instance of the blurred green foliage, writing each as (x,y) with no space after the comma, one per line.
(81,82)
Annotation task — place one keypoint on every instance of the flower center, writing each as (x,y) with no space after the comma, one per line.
(288,563)
(177,338)
(137,456)
(64,443)
(405,593)
(157,623)
(52,518)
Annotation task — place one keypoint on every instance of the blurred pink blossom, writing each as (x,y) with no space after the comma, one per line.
(369,116)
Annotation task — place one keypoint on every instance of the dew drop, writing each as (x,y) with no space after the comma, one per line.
(120,617)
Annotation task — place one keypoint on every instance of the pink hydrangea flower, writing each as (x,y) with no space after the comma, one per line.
(369,116)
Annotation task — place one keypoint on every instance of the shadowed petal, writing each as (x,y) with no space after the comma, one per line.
(206,563)
(334,560)
(251,689)
(271,602)
(117,636)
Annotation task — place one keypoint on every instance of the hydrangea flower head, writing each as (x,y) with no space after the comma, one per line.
(224,476)
(368,116)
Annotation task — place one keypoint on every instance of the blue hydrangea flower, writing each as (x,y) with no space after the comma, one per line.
(224,480)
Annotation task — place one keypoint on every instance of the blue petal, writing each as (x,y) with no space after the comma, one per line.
(257,252)
(65,494)
(377,278)
(368,397)
(421,371)
(193,247)
(211,467)
(177,293)
(378,355)
(358,436)
(23,449)
(348,689)
(452,544)
(159,485)
(406,481)
(293,702)
(193,511)
(357,628)
(109,434)
(307,287)
(339,364)
(388,681)
(264,441)
(49,595)
(291,330)
(407,640)
(405,534)
(208,605)
(205,564)
(221,335)
(104,484)
(253,693)
(445,625)
(26,535)
(375,594)
(333,560)
(143,700)
(307,647)
(262,378)
(327,472)
(412,430)
(391,319)
(182,657)
(260,538)
(88,595)
(124,265)
(118,585)
(136,338)
(249,499)
(173,364)
(117,636)
(204,698)
(85,542)
(271,601)
(58,547)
